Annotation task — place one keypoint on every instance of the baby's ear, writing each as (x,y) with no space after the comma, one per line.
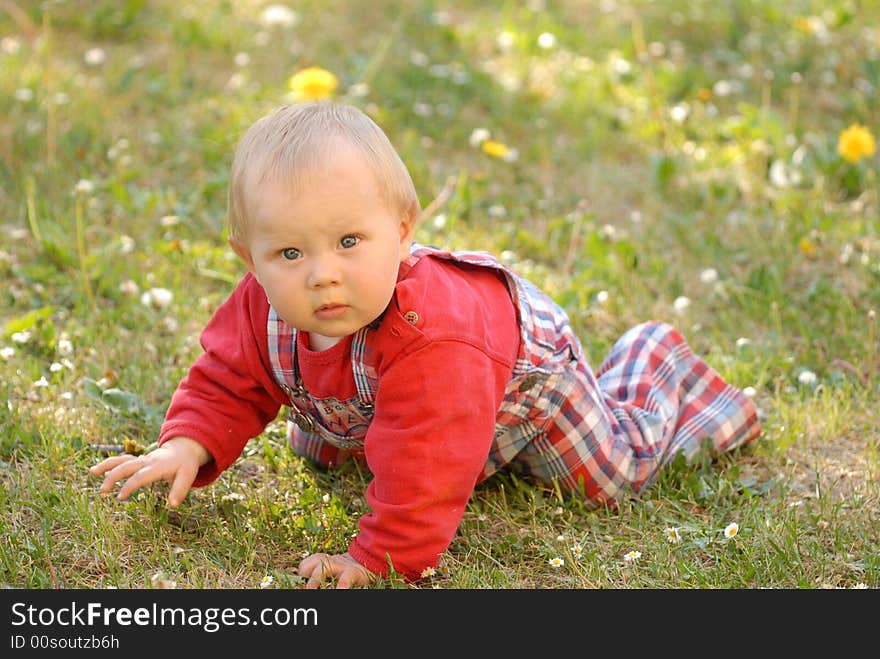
(408,220)
(243,252)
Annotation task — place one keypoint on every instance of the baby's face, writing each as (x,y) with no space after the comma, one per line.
(327,254)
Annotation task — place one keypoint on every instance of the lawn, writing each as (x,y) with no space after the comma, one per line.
(710,164)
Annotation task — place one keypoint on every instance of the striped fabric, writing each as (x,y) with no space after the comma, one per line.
(604,434)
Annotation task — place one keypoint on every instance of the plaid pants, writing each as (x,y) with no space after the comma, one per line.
(651,399)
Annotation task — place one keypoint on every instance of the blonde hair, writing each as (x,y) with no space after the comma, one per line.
(293,139)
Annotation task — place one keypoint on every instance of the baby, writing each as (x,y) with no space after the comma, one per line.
(436,369)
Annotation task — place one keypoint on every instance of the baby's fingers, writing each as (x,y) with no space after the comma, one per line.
(316,568)
(138,473)
(109,463)
(183,480)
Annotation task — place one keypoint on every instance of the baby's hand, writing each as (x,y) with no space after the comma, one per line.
(348,571)
(177,461)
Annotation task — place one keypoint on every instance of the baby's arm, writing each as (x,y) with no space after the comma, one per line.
(177,461)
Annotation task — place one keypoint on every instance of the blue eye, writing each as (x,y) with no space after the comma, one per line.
(291,253)
(349,241)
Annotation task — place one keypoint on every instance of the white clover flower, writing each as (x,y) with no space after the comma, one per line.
(478,136)
(236,81)
(681,304)
(23,94)
(621,66)
(557,562)
(679,112)
(807,378)
(439,221)
(157,297)
(632,556)
(441,18)
(742,342)
(750,392)
(418,58)
(672,535)
(511,155)
(42,382)
(126,244)
(10,45)
(602,297)
(505,40)
(778,174)
(84,186)
(731,530)
(709,276)
(65,347)
(21,337)
(277,15)
(95,56)
(55,367)
(422,109)
(359,90)
(242,59)
(546,40)
(461,77)
(129,287)
(722,88)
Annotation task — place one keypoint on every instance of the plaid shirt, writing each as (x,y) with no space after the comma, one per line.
(602,434)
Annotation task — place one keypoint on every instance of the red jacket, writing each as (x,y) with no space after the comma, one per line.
(440,386)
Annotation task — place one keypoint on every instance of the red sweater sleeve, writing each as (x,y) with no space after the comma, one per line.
(229,394)
(426,451)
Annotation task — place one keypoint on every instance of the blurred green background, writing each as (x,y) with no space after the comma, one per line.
(712,164)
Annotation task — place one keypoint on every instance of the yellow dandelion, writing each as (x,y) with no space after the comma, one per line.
(312,84)
(495,149)
(855,143)
(803,24)
(731,530)
(429,572)
(557,562)
(807,247)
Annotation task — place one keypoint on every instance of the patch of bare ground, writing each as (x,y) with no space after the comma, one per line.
(841,468)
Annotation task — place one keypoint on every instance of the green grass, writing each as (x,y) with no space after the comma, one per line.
(651,140)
